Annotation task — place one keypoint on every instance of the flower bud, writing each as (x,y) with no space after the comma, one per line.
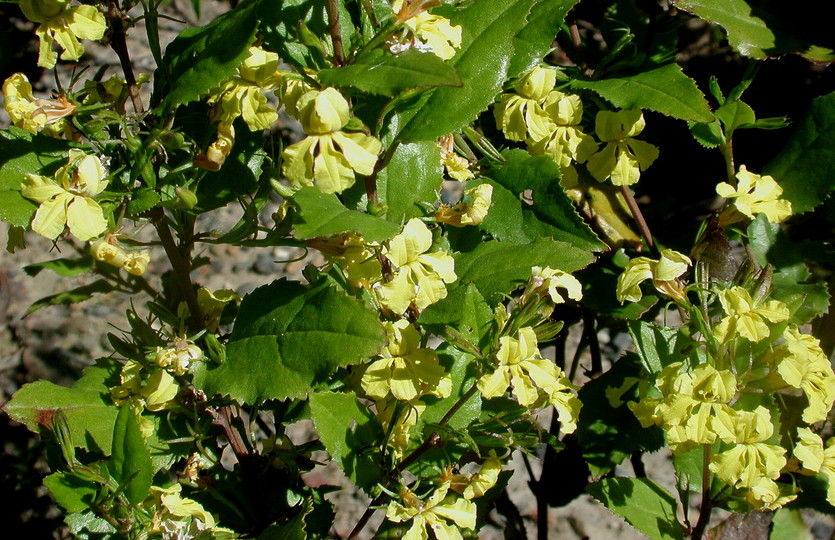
(40,10)
(137,263)
(322,112)
(104,251)
(186,198)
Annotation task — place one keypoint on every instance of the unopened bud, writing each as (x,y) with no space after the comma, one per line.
(186,198)
(104,251)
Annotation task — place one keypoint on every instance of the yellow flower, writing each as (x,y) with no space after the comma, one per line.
(32,114)
(470,211)
(817,458)
(746,317)
(769,495)
(563,141)
(694,409)
(521,367)
(64,24)
(328,157)
(358,261)
(420,277)
(437,34)
(750,459)
(753,195)
(553,284)
(160,390)
(457,167)
(171,506)
(664,274)
(212,305)
(68,199)
(405,370)
(436,512)
(624,157)
(219,150)
(180,357)
(106,250)
(521,116)
(801,363)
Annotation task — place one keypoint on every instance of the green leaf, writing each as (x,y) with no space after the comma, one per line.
(21,153)
(87,405)
(535,40)
(762,29)
(71,492)
(708,135)
(350,433)
(642,503)
(805,168)
(68,267)
(200,59)
(464,309)
(488,29)
(788,523)
(74,296)
(289,338)
(497,268)
(413,175)
(240,172)
(388,75)
(657,346)
(608,431)
(734,115)
(665,90)
(551,214)
(130,461)
(321,214)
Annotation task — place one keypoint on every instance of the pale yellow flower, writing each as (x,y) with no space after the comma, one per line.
(746,317)
(624,157)
(521,115)
(471,210)
(65,25)
(562,140)
(68,199)
(32,114)
(664,274)
(750,459)
(754,194)
(443,514)
(328,157)
(801,363)
(435,32)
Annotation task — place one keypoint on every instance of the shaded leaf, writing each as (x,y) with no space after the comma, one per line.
(74,296)
(665,90)
(413,175)
(644,504)
(67,267)
(350,433)
(535,40)
(805,168)
(72,493)
(766,28)
(288,338)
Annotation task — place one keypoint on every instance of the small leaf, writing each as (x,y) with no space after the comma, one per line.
(68,267)
(488,29)
(804,168)
(130,461)
(464,309)
(665,90)
(708,134)
(644,504)
(766,29)
(288,338)
(734,115)
(388,75)
(350,433)
(72,493)
(658,347)
(321,214)
(74,296)
(497,268)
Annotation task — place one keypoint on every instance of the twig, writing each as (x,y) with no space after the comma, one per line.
(336,36)
(706,505)
(181,265)
(639,218)
(579,54)
(119,44)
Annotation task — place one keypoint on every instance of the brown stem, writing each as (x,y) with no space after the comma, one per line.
(223,419)
(639,218)
(181,265)
(579,54)
(119,44)
(706,506)
(336,36)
